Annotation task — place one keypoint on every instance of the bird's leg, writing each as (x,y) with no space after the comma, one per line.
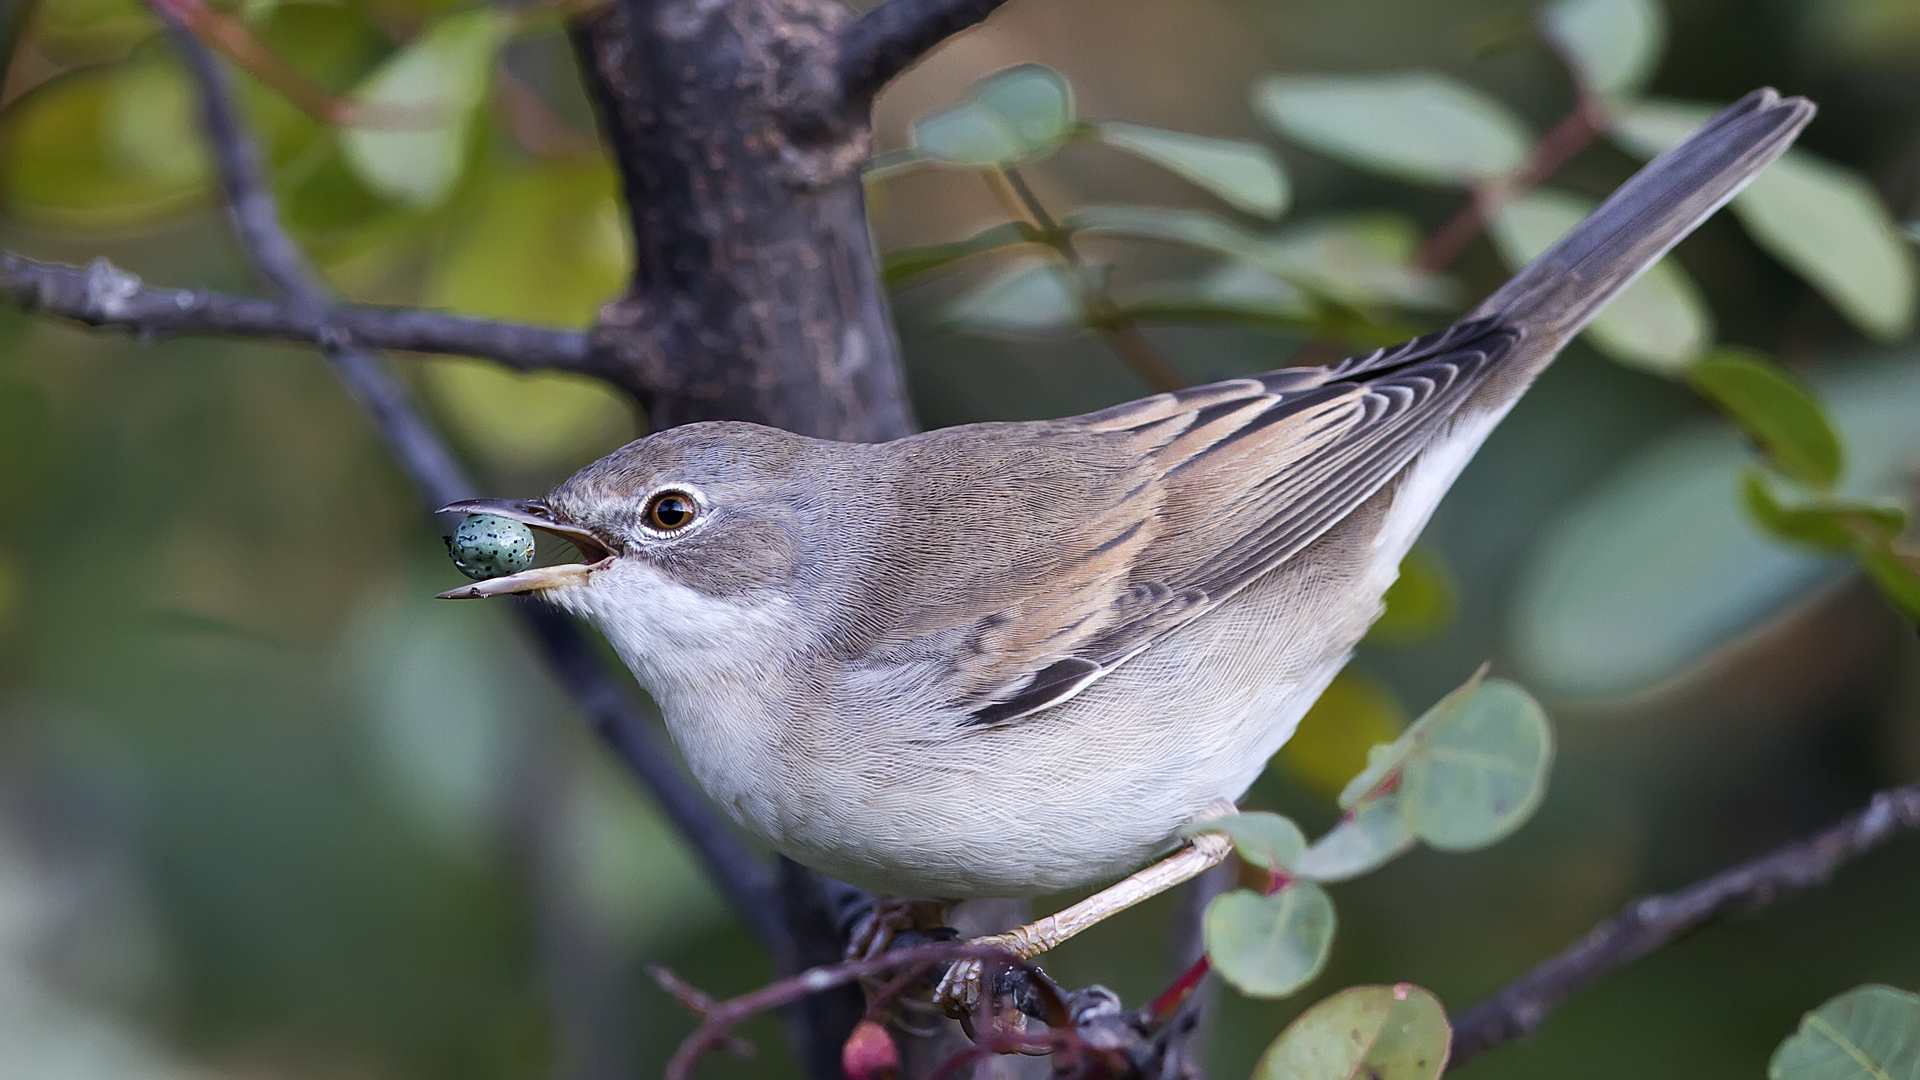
(959,991)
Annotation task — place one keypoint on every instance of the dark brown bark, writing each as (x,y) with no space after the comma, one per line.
(755,294)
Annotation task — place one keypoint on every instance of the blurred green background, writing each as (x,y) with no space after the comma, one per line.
(266,810)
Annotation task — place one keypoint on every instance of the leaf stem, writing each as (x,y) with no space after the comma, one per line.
(1119,330)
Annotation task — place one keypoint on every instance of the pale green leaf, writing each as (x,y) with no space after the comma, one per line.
(1828,225)
(1659,567)
(1244,174)
(1384,761)
(1479,770)
(1027,301)
(1420,126)
(1261,839)
(1020,113)
(1897,576)
(1828,523)
(1824,222)
(903,264)
(1774,410)
(1371,835)
(1613,44)
(1868,1033)
(1270,946)
(1376,1032)
(416,110)
(1660,322)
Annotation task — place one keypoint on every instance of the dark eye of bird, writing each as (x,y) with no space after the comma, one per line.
(670,510)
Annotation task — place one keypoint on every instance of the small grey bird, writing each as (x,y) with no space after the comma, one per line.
(1016,658)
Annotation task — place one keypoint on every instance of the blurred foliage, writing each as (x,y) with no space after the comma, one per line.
(266,811)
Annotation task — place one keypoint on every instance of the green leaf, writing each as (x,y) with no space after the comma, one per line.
(1824,222)
(1829,226)
(1261,839)
(1383,761)
(1479,770)
(1419,126)
(1658,566)
(1021,113)
(1868,1033)
(1614,45)
(1359,260)
(1774,410)
(1376,1032)
(904,264)
(104,148)
(1660,322)
(1419,603)
(543,244)
(1244,174)
(418,107)
(1828,523)
(1190,228)
(1371,835)
(1031,300)
(1897,576)
(1270,946)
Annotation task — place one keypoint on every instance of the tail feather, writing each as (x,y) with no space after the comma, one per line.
(1562,290)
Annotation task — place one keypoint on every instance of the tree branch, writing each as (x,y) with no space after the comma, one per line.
(742,879)
(104,296)
(887,40)
(1653,921)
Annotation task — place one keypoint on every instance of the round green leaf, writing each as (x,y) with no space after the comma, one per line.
(418,107)
(1368,837)
(1823,222)
(1261,839)
(1270,946)
(1420,126)
(1613,44)
(1359,260)
(1029,300)
(1377,1032)
(1017,114)
(1478,770)
(1660,322)
(1660,565)
(1868,1033)
(1246,175)
(1774,410)
(1352,715)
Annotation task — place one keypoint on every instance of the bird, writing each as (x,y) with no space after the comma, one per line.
(1011,659)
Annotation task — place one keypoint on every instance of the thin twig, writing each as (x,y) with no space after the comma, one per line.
(1574,133)
(1650,922)
(722,1017)
(1118,329)
(887,40)
(741,878)
(105,296)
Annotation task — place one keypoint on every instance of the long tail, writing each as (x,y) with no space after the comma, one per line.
(1562,290)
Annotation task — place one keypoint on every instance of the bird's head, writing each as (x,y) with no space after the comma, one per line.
(696,533)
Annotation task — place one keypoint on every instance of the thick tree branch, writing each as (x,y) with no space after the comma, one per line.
(887,40)
(742,879)
(105,296)
(1653,921)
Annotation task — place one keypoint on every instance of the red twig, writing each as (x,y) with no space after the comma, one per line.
(1571,135)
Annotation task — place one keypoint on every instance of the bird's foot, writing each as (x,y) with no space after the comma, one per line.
(891,917)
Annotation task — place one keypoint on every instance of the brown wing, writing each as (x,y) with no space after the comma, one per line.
(1242,475)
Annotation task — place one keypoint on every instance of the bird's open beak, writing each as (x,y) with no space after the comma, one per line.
(594,552)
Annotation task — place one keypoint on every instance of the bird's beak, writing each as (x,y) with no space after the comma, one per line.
(594,552)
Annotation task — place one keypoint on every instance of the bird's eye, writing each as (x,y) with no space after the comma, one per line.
(671,510)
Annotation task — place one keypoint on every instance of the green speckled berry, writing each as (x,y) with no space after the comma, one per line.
(485,546)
